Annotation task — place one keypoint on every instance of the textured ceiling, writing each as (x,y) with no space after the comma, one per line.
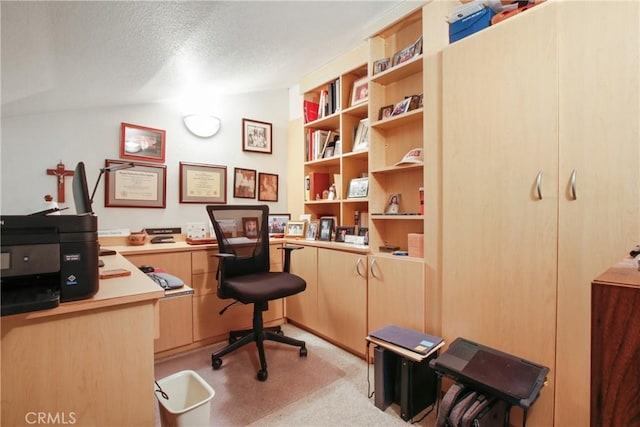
(79,54)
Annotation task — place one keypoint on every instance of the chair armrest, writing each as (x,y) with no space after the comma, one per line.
(287,255)
(223,257)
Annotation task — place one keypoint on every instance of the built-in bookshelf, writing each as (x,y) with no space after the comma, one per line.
(333,115)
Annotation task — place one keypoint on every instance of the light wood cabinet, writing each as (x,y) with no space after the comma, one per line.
(176,329)
(302,308)
(533,108)
(342,298)
(396,292)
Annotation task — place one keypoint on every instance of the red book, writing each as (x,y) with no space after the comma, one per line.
(318,182)
(310,110)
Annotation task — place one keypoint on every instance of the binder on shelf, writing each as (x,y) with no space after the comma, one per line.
(318,182)
(310,110)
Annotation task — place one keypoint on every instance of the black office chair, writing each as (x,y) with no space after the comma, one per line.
(243,274)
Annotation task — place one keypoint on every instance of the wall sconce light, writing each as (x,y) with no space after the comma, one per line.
(202,125)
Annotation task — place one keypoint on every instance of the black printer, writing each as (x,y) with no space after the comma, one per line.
(46,260)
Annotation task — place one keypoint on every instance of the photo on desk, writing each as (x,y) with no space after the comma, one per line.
(326,228)
(277,223)
(295,228)
(343,231)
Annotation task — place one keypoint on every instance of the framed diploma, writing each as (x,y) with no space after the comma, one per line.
(142,186)
(200,183)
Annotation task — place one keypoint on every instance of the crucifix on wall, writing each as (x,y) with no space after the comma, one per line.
(61,173)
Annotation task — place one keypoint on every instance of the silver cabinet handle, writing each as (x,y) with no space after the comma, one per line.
(539,185)
(358,264)
(373,261)
(573,185)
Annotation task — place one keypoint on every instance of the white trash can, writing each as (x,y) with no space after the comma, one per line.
(189,402)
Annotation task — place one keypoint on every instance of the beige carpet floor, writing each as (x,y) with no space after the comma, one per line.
(330,387)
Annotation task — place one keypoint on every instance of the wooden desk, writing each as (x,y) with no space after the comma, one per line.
(615,346)
(87,362)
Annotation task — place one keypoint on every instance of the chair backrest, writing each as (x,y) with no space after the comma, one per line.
(242,230)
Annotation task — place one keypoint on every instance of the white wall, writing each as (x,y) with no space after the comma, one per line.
(34,143)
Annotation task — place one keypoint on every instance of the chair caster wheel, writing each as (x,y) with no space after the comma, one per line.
(303,352)
(262,375)
(216,362)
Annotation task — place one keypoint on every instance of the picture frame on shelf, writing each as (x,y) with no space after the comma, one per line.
(257,136)
(312,230)
(202,183)
(277,223)
(407,52)
(344,231)
(364,231)
(325,229)
(361,139)
(401,107)
(142,186)
(295,229)
(360,91)
(267,187)
(250,227)
(393,204)
(381,65)
(244,183)
(142,143)
(358,188)
(385,112)
(414,104)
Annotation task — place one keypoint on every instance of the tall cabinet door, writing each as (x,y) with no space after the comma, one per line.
(599,155)
(500,192)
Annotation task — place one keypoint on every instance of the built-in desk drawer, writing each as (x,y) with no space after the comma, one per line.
(175,263)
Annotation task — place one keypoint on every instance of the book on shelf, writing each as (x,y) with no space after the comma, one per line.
(307,184)
(318,183)
(310,110)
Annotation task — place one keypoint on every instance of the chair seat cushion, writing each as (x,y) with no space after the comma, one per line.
(263,286)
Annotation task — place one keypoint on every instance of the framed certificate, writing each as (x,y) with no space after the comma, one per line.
(142,186)
(201,183)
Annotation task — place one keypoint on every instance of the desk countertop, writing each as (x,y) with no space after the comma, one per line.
(112,292)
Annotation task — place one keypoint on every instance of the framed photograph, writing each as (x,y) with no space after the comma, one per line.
(244,183)
(326,227)
(142,186)
(401,107)
(417,47)
(256,136)
(142,143)
(404,55)
(250,227)
(267,187)
(381,65)
(414,104)
(364,231)
(312,230)
(277,223)
(295,229)
(385,112)
(343,231)
(360,91)
(361,140)
(202,183)
(393,204)
(358,188)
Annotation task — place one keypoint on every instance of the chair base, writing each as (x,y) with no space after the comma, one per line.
(258,335)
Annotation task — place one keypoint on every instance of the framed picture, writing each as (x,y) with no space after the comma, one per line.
(381,65)
(142,143)
(250,227)
(244,183)
(295,229)
(393,205)
(361,140)
(385,112)
(256,136)
(364,231)
(142,186)
(405,54)
(201,183)
(414,104)
(343,231)
(326,227)
(360,91)
(401,107)
(358,188)
(277,223)
(267,187)
(312,230)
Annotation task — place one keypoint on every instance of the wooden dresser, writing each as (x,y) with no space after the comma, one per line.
(615,346)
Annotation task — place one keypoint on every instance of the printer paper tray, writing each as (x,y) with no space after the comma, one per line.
(29,300)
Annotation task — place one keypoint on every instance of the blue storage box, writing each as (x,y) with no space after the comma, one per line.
(470,24)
